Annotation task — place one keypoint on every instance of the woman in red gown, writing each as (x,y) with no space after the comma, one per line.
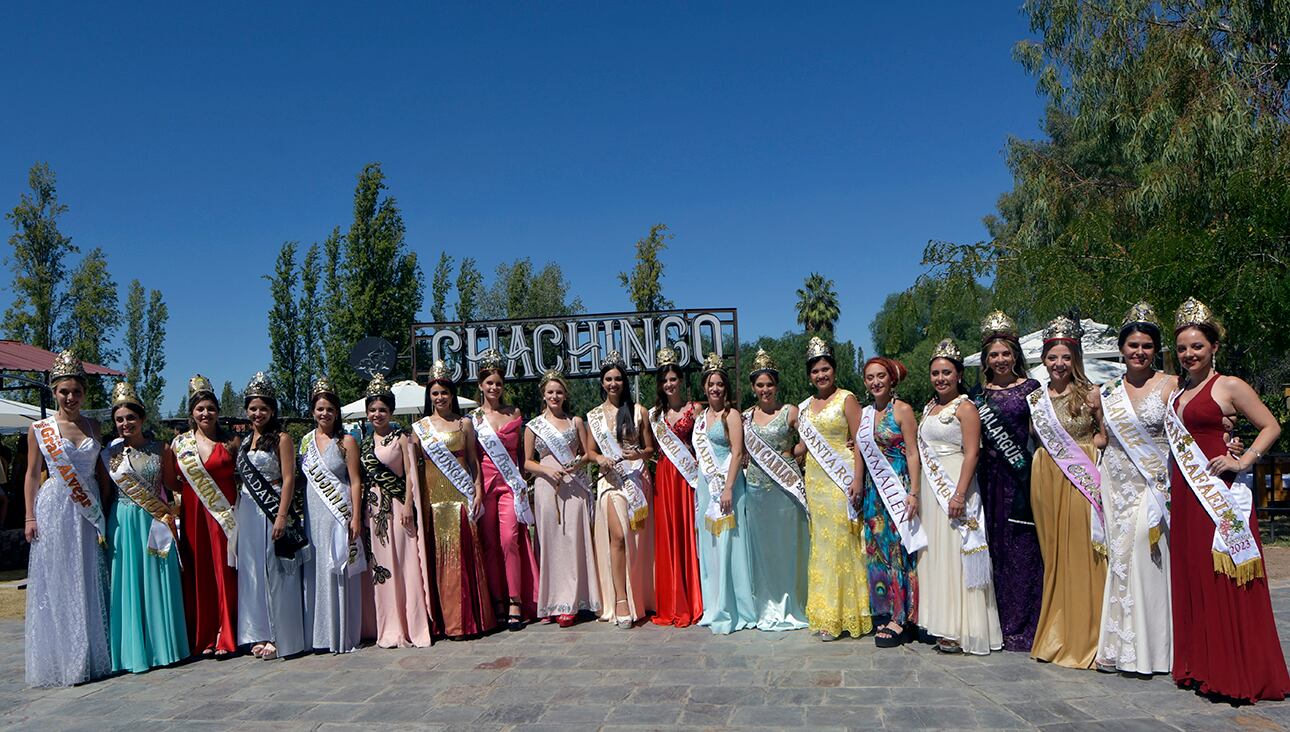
(676,554)
(1225,636)
(208,577)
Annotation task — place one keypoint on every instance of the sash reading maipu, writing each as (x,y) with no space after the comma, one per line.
(977,570)
(714,474)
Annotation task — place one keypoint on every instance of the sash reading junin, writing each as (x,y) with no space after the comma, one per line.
(505,465)
(63,472)
(625,475)
(971,525)
(443,459)
(780,469)
(837,466)
(1236,553)
(1071,460)
(207,490)
(345,556)
(887,481)
(1151,460)
(160,538)
(675,450)
(714,473)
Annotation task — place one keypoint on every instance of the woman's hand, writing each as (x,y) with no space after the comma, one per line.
(1226,464)
(853,492)
(911,507)
(29,531)
(279,527)
(727,500)
(355,527)
(1235,447)
(957,504)
(557,475)
(408,518)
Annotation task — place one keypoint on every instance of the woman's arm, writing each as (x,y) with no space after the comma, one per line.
(472,465)
(1246,402)
(287,466)
(412,476)
(1094,402)
(970,422)
(31,484)
(350,449)
(851,408)
(646,433)
(909,434)
(735,431)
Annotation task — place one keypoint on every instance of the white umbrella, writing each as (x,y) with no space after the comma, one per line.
(1101,353)
(15,417)
(409,398)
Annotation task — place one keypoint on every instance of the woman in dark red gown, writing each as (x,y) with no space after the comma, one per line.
(1225,636)
(676,554)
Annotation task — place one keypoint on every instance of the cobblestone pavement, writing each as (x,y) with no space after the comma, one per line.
(593,676)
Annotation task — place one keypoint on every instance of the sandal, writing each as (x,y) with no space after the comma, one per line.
(566,621)
(514,622)
(826,637)
(948,646)
(257,649)
(886,637)
(269,652)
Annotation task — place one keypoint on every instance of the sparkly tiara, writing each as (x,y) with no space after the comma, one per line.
(1062,328)
(259,387)
(378,387)
(997,324)
(947,349)
(817,347)
(66,366)
(763,363)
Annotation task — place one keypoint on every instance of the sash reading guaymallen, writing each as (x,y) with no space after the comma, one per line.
(779,468)
(345,556)
(714,473)
(1071,460)
(443,459)
(971,525)
(890,487)
(675,450)
(1236,554)
(160,537)
(1151,460)
(505,465)
(630,479)
(63,471)
(207,490)
(559,448)
(838,467)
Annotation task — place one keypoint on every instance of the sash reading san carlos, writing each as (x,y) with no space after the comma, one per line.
(63,472)
(779,468)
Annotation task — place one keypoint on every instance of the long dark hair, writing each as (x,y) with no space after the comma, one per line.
(1018,358)
(660,399)
(272,429)
(625,427)
(335,400)
(221,433)
(725,382)
(1211,334)
(958,368)
(428,407)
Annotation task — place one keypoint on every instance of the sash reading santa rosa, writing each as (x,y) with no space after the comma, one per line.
(558,447)
(971,525)
(890,487)
(1071,459)
(773,463)
(1151,460)
(443,459)
(675,450)
(1236,554)
(160,538)
(207,490)
(505,465)
(629,477)
(63,472)
(714,474)
(838,467)
(345,557)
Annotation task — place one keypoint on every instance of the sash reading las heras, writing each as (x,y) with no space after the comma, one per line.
(1151,460)
(444,460)
(1236,553)
(628,478)
(838,467)
(1015,455)
(64,473)
(160,537)
(714,474)
(559,449)
(887,481)
(345,556)
(207,490)
(675,449)
(1071,459)
(971,525)
(505,465)
(780,469)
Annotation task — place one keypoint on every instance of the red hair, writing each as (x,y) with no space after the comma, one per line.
(896,371)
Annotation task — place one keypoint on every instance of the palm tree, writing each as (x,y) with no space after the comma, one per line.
(817,304)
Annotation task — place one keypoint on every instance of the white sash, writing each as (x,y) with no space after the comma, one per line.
(971,525)
(890,487)
(675,450)
(835,465)
(345,556)
(1071,459)
(1236,553)
(558,447)
(505,465)
(1151,460)
(207,490)
(63,472)
(714,473)
(160,538)
(627,472)
(780,469)
(443,459)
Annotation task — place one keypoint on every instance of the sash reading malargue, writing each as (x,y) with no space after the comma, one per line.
(207,490)
(971,525)
(780,469)
(1151,460)
(837,466)
(345,556)
(1071,460)
(714,473)
(626,476)
(63,472)
(160,537)
(444,460)
(505,465)
(1236,553)
(890,487)
(1015,455)
(675,449)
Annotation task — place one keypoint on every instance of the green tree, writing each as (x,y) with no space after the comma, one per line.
(92,316)
(645,283)
(335,350)
(312,335)
(789,353)
(230,403)
(817,305)
(151,382)
(440,285)
(286,357)
(38,261)
(470,288)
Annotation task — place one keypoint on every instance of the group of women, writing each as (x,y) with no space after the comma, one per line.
(1121,542)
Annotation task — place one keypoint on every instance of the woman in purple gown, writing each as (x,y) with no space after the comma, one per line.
(1004,477)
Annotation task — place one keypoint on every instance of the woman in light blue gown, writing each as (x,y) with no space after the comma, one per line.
(778,526)
(724,571)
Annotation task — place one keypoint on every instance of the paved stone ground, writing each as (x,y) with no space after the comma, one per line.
(594,676)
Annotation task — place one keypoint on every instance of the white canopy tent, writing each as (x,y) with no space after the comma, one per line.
(409,398)
(1101,354)
(16,417)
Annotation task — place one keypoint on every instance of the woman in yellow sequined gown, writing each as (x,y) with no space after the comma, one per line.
(838,591)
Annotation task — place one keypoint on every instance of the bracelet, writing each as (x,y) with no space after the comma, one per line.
(31,521)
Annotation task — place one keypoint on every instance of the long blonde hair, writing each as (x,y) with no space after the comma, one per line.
(1080,385)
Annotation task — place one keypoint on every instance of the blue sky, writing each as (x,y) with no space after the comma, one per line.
(774,140)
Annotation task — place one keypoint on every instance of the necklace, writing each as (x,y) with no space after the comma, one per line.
(387,439)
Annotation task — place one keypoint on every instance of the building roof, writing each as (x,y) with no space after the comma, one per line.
(18,356)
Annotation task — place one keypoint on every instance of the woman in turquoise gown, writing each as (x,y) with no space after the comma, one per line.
(778,527)
(724,571)
(146,627)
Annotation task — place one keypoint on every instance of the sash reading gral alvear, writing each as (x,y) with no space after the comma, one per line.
(1071,460)
(63,472)
(675,450)
(714,473)
(625,475)
(160,537)
(838,467)
(890,487)
(780,469)
(1147,456)
(207,490)
(971,525)
(505,465)
(345,556)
